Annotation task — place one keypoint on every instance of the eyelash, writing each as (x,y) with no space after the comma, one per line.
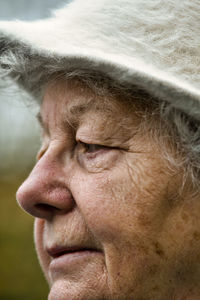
(91,148)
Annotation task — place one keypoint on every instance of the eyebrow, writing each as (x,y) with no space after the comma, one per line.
(75,111)
(79,109)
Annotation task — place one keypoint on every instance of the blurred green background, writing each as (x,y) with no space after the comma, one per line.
(20,274)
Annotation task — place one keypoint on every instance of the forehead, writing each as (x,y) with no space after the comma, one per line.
(65,95)
(73,101)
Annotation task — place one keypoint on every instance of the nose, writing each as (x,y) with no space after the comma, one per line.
(45,192)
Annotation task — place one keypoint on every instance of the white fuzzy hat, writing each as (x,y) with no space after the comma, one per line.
(154,44)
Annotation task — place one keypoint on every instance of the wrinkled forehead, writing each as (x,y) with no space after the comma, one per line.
(68,98)
(74,100)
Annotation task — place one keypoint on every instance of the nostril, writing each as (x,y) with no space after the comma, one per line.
(43,207)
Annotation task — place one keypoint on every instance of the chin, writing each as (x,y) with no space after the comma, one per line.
(65,290)
(61,291)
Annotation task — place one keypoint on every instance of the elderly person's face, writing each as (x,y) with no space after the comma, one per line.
(110,223)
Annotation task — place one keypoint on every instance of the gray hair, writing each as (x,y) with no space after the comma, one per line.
(182,130)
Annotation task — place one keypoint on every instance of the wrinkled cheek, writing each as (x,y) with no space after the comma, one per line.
(43,257)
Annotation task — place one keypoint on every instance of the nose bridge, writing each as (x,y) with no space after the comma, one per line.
(50,167)
(46,191)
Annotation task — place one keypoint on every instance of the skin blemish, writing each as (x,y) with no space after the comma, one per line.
(158,250)
(185,217)
(196,235)
(155,288)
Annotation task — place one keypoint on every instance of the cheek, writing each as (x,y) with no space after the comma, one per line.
(126,219)
(121,201)
(44,259)
(97,204)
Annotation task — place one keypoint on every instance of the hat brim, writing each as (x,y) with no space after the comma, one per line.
(18,41)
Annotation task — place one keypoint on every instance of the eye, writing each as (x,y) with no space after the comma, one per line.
(86,151)
(90,148)
(95,157)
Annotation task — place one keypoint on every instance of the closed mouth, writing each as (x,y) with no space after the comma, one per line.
(59,251)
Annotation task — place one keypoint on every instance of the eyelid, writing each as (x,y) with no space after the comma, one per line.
(107,145)
(44,142)
(42,150)
(93,146)
(102,142)
(94,143)
(40,153)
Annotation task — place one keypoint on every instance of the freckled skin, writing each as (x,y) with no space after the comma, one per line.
(119,200)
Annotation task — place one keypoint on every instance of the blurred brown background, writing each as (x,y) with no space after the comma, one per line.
(20,274)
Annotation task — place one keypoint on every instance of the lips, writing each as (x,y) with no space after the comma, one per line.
(58,251)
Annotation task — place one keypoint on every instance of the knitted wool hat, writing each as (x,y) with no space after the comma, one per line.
(154,44)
